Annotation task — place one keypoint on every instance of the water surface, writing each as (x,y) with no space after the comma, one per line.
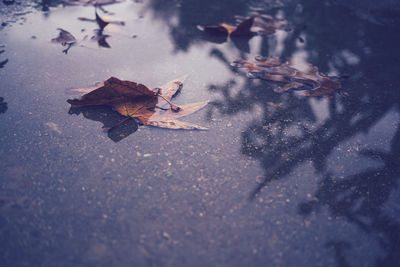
(277,180)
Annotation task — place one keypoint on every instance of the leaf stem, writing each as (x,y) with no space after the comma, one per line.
(173,107)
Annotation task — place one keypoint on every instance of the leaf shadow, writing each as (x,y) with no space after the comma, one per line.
(110,119)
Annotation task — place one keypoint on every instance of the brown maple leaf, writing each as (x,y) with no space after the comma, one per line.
(310,79)
(134,100)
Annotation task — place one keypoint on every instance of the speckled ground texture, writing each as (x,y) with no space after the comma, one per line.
(277,180)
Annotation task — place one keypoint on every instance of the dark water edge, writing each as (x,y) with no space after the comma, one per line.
(277,180)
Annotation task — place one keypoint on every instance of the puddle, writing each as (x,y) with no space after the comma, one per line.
(278,179)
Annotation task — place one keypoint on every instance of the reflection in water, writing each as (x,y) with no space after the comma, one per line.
(360,198)
(340,247)
(101,38)
(290,133)
(110,119)
(44,5)
(244,30)
(240,42)
(3,63)
(183,21)
(65,38)
(3,105)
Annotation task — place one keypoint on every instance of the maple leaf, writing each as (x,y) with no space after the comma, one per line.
(134,100)
(274,69)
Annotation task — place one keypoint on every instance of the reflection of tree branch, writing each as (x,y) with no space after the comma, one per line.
(360,199)
(289,134)
(3,105)
(3,63)
(340,247)
(185,34)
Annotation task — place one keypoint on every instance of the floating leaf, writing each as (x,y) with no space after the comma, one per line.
(273,69)
(134,100)
(113,92)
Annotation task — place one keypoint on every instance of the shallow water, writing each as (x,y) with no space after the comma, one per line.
(277,180)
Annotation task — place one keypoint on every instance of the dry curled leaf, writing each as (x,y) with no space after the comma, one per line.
(310,79)
(134,100)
